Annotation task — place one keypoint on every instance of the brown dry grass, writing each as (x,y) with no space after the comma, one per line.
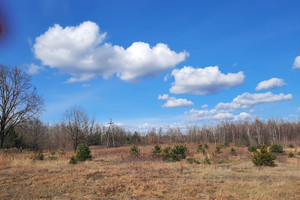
(114,174)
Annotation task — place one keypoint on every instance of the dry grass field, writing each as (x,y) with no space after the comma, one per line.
(114,174)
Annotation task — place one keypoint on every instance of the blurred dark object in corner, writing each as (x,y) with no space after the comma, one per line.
(1,28)
(4,24)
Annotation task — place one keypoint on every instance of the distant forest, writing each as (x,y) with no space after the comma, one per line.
(36,135)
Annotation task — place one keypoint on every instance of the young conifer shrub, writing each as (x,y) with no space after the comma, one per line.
(276,148)
(218,149)
(252,148)
(73,160)
(200,149)
(180,150)
(166,153)
(83,153)
(263,157)
(52,157)
(174,154)
(206,146)
(207,160)
(291,146)
(157,150)
(134,150)
(291,154)
(233,151)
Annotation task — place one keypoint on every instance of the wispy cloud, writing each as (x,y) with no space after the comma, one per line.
(225,111)
(33,69)
(248,100)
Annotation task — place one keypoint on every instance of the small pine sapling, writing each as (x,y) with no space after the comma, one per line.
(134,150)
(263,157)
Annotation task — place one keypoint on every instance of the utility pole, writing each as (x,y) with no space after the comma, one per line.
(111,131)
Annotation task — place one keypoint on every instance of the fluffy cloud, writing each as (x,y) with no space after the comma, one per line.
(203,81)
(270,84)
(297,63)
(81,52)
(172,102)
(224,111)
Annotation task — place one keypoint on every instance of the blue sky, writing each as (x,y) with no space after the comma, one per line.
(158,63)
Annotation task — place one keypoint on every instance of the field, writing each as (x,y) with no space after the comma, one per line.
(114,174)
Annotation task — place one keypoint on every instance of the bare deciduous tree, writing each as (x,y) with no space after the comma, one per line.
(19,99)
(34,132)
(77,124)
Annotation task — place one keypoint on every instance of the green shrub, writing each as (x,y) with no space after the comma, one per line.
(135,138)
(180,150)
(73,160)
(207,161)
(176,153)
(291,154)
(156,150)
(218,149)
(233,151)
(291,146)
(52,157)
(165,153)
(134,150)
(200,148)
(263,157)
(276,148)
(252,148)
(192,160)
(83,153)
(206,146)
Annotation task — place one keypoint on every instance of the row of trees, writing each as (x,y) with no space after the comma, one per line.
(72,131)
(19,127)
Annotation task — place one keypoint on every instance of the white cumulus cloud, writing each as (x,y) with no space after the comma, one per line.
(172,102)
(203,81)
(270,84)
(81,51)
(297,63)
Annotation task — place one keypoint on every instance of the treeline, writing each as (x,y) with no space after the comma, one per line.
(243,133)
(36,135)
